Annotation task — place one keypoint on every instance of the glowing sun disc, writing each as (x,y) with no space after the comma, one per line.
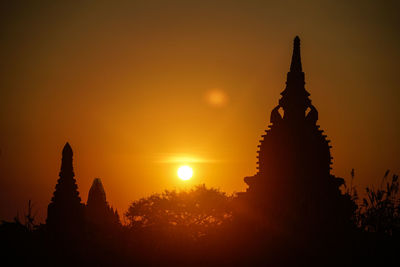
(185,173)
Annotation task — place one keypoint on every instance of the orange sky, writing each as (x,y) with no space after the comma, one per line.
(128,84)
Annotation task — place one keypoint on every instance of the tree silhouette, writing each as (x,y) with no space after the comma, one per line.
(196,211)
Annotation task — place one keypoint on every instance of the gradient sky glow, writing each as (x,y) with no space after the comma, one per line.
(140,88)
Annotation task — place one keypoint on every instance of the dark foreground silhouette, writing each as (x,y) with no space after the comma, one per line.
(199,228)
(294,212)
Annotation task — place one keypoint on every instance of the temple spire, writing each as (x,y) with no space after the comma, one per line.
(66,161)
(98,211)
(97,195)
(295,65)
(67,150)
(295,99)
(65,211)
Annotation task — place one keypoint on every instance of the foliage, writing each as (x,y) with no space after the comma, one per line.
(351,190)
(197,210)
(380,209)
(28,224)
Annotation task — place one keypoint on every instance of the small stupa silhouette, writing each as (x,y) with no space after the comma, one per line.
(98,211)
(65,213)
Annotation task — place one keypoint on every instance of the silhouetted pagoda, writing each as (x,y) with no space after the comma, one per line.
(293,184)
(98,211)
(65,213)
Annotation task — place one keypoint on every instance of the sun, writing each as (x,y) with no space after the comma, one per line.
(185,173)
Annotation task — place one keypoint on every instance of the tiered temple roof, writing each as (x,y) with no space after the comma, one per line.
(294,159)
(65,211)
(293,145)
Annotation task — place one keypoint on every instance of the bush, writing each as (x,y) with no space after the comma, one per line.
(380,210)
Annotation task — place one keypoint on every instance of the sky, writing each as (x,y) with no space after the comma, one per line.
(139,88)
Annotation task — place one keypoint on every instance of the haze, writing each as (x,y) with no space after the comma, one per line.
(140,88)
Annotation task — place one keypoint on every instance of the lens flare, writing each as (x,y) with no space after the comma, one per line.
(217,98)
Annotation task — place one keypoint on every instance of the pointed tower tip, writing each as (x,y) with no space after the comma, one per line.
(67,149)
(97,184)
(97,181)
(296,42)
(295,65)
(97,192)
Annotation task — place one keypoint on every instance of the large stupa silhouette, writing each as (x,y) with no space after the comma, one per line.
(293,186)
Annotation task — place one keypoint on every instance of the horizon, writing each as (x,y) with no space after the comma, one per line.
(197,91)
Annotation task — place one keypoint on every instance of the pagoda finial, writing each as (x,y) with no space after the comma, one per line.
(96,193)
(295,65)
(67,150)
(295,99)
(66,162)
